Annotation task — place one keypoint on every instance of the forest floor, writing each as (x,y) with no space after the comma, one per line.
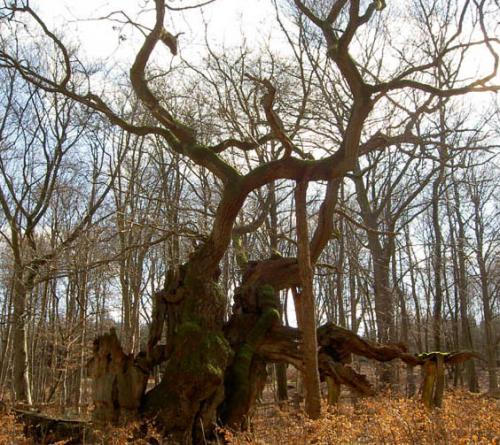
(464,419)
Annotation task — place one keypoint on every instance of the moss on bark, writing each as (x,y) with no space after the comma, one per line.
(185,402)
(239,382)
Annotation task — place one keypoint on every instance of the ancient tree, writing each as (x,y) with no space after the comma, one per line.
(214,369)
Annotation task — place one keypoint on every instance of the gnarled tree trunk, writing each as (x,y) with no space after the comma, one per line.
(197,355)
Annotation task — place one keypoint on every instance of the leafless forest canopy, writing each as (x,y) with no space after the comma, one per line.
(221,207)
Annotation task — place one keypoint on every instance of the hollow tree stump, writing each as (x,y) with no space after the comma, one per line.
(430,371)
(119,381)
(334,388)
(433,365)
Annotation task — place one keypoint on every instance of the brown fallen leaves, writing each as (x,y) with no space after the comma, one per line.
(464,419)
(11,432)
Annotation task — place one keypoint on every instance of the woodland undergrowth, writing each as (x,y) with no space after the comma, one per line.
(464,419)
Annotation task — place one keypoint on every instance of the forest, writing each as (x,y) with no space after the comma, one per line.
(269,222)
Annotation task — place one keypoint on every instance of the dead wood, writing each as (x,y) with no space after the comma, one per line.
(46,430)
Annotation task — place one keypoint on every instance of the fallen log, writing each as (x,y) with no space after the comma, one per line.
(46,430)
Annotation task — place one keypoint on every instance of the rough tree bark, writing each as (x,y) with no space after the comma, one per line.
(119,380)
(434,373)
(185,401)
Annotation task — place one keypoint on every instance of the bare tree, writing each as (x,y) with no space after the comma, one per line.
(486,237)
(210,367)
(38,130)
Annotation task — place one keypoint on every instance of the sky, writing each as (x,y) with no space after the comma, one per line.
(228,21)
